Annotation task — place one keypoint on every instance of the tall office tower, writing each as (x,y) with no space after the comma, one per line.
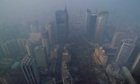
(90,24)
(135,54)
(120,35)
(62,25)
(100,26)
(30,71)
(135,67)
(125,52)
(40,56)
(127,76)
(53,33)
(46,42)
(48,28)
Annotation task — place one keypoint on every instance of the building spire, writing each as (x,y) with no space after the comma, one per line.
(65,7)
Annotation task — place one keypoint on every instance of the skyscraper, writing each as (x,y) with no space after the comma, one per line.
(41,57)
(29,68)
(100,26)
(48,28)
(62,25)
(134,57)
(46,41)
(135,67)
(90,24)
(125,51)
(53,32)
(127,76)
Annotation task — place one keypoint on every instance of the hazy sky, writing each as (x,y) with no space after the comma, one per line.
(22,10)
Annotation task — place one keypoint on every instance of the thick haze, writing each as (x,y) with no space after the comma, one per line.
(27,10)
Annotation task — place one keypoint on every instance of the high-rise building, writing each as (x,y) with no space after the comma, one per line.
(90,24)
(120,35)
(62,25)
(40,56)
(135,58)
(100,26)
(125,51)
(135,67)
(30,71)
(49,30)
(46,41)
(53,33)
(127,76)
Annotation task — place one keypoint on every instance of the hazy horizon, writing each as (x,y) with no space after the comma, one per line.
(30,10)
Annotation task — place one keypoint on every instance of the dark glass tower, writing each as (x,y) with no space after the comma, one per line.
(62,25)
(90,24)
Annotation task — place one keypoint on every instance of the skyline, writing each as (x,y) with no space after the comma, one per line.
(69,42)
(23,11)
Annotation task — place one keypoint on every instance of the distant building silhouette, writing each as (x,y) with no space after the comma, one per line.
(46,41)
(62,25)
(91,19)
(100,26)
